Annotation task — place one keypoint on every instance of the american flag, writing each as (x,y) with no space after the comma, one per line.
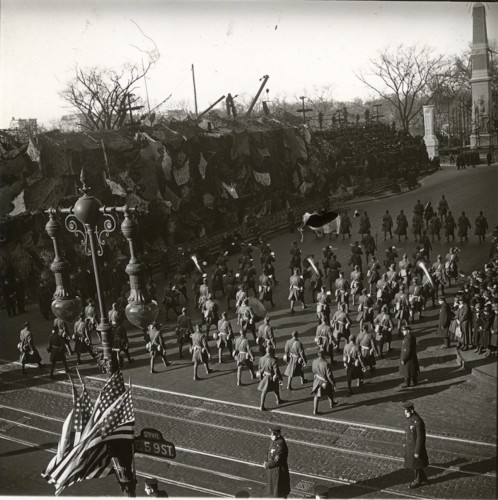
(82,413)
(112,418)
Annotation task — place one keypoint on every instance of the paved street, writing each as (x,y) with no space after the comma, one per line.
(220,435)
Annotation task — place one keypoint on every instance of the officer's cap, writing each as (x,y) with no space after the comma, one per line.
(150,481)
(408,405)
(275,428)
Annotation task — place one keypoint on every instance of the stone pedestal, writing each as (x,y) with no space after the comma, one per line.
(430,139)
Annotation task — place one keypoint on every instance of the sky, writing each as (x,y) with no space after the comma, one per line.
(304,46)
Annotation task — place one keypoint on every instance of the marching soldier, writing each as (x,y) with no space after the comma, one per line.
(428,213)
(426,245)
(356,253)
(156,345)
(402,306)
(364,224)
(170,299)
(295,262)
(82,341)
(91,318)
(295,357)
(266,337)
(417,224)
(402,226)
(341,325)
(335,267)
(365,309)
(217,280)
(204,292)
(345,227)
(373,274)
(435,227)
(183,331)
(353,363)
(265,288)
(243,356)
(210,313)
(419,208)
(225,336)
(200,351)
(323,382)
(356,282)
(342,290)
(449,227)
(383,330)
(296,289)
(56,348)
(270,377)
(368,348)
(324,338)
(196,286)
(27,349)
(443,208)
(246,318)
(231,287)
(463,227)
(121,342)
(369,245)
(387,225)
(416,457)
(481,226)
(323,305)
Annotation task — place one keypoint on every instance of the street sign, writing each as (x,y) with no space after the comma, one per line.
(151,442)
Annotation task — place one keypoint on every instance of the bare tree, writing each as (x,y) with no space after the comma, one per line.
(105,96)
(407,77)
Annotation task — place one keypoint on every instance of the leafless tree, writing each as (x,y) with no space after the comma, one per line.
(105,96)
(407,77)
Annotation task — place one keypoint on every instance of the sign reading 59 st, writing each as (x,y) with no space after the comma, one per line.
(151,442)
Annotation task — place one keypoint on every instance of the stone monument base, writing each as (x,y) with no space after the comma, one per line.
(483,140)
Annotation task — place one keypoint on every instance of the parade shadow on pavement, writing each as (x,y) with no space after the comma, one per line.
(480,467)
(379,483)
(30,449)
(399,396)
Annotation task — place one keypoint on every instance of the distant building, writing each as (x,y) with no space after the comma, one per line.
(24,127)
(72,123)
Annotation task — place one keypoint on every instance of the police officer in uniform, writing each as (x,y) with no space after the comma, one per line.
(409,367)
(415,452)
(278,479)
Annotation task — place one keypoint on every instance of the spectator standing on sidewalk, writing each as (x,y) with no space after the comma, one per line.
(277,470)
(415,451)
(57,350)
(409,368)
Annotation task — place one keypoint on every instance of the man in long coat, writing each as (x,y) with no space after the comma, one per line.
(409,368)
(270,377)
(415,451)
(277,470)
(323,381)
(295,358)
(445,317)
(29,353)
(464,321)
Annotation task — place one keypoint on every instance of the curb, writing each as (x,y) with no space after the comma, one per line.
(477,372)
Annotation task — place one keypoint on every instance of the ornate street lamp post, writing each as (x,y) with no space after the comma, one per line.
(82,220)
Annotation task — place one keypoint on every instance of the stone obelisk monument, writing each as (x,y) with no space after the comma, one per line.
(430,139)
(482,97)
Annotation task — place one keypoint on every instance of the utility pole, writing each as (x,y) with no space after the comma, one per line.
(303,110)
(377,106)
(195,92)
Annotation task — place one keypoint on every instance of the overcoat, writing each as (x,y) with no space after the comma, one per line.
(269,373)
(445,317)
(277,470)
(296,358)
(408,355)
(415,443)
(322,375)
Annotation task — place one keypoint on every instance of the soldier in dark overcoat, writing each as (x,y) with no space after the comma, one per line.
(270,376)
(200,351)
(415,451)
(323,381)
(409,368)
(243,356)
(444,321)
(56,348)
(156,345)
(277,470)
(27,349)
(295,358)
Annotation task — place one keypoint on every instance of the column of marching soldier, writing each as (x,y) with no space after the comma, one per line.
(385,301)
